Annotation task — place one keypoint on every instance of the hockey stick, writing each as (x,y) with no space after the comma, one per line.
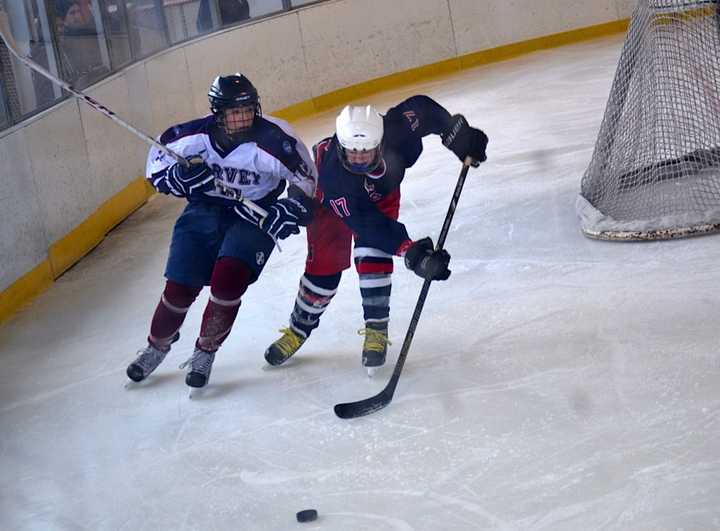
(110,114)
(351,410)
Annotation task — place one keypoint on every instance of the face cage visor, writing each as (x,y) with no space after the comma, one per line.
(360,161)
(236,120)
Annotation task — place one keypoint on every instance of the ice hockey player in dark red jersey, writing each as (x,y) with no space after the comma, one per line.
(216,240)
(360,170)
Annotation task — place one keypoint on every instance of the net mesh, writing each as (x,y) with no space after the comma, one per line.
(655,171)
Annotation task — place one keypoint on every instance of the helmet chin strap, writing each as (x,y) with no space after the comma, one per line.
(379,170)
(373,168)
(376,171)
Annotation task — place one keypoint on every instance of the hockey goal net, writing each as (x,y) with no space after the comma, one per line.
(655,171)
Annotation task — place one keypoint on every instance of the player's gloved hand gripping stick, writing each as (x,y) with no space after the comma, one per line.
(110,114)
(360,408)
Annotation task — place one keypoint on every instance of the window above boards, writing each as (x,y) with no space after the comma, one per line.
(83,41)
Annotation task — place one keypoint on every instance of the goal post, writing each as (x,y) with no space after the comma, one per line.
(655,170)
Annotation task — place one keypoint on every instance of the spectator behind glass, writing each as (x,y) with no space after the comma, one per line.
(80,55)
(79,17)
(231,11)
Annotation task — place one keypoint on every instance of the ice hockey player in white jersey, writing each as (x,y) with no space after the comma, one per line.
(218,241)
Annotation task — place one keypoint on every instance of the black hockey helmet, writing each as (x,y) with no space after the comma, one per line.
(231,91)
(234,92)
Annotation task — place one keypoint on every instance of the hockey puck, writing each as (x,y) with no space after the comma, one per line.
(308,515)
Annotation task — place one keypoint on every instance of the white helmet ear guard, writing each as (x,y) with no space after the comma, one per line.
(359,129)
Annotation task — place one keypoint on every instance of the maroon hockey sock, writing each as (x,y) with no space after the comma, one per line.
(230,279)
(170,313)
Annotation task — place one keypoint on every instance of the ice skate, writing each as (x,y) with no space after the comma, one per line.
(147,361)
(199,367)
(283,349)
(374,347)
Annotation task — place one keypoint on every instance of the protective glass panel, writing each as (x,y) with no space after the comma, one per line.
(83,50)
(25,23)
(259,8)
(5,119)
(82,41)
(189,18)
(116,30)
(10,102)
(146,25)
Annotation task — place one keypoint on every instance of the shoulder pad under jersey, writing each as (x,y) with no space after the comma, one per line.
(320,149)
(193,127)
(272,138)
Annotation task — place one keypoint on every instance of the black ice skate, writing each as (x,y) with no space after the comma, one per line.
(283,349)
(148,360)
(199,366)
(375,346)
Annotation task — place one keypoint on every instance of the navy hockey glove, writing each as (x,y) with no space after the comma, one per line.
(465,141)
(248,214)
(303,205)
(426,262)
(285,217)
(188,181)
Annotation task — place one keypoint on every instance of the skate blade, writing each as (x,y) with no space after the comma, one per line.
(195,392)
(371,371)
(288,363)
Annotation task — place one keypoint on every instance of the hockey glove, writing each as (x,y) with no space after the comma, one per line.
(465,141)
(189,181)
(248,214)
(304,206)
(426,262)
(285,217)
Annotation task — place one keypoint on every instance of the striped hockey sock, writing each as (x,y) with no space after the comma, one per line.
(375,290)
(314,296)
(375,269)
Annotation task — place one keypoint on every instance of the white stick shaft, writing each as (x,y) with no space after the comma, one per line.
(94,104)
(110,114)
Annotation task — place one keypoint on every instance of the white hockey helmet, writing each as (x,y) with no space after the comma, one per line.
(359,131)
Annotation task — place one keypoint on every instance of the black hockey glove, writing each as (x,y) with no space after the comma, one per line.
(191,180)
(426,262)
(465,141)
(285,217)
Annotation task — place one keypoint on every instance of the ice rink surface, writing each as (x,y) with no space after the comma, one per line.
(554,383)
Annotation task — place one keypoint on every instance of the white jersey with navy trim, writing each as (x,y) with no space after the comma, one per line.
(254,168)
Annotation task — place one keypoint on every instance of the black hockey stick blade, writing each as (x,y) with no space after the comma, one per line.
(351,410)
